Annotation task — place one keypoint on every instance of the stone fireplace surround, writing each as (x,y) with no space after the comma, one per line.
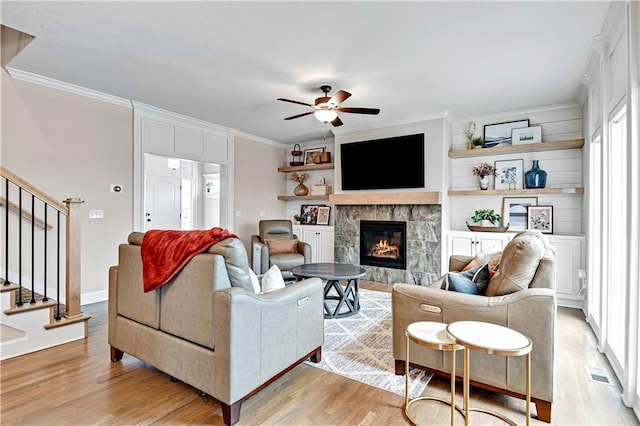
(424,230)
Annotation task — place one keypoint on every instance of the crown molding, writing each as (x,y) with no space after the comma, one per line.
(500,115)
(41,80)
(400,122)
(259,139)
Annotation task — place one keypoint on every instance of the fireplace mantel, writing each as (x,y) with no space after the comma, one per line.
(385,198)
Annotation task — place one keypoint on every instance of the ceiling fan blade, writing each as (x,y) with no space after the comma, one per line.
(299,115)
(339,97)
(295,102)
(336,122)
(357,110)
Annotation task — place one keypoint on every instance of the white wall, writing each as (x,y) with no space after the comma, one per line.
(72,146)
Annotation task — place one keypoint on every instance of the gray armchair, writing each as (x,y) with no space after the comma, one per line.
(263,258)
(522,297)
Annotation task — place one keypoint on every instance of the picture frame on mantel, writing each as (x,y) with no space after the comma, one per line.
(514,211)
(540,218)
(499,134)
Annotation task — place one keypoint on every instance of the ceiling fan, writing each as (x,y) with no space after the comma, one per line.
(326,108)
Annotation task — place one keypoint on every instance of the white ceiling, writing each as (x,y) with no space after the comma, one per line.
(227,62)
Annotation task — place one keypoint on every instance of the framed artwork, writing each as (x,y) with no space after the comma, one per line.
(514,212)
(310,154)
(526,135)
(309,214)
(323,215)
(500,133)
(509,174)
(540,218)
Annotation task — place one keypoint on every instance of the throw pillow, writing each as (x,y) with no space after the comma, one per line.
(472,281)
(282,246)
(254,281)
(272,280)
(492,256)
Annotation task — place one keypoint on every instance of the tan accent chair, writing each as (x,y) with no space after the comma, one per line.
(531,311)
(207,328)
(277,229)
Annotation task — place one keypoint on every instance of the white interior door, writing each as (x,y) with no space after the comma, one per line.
(162,202)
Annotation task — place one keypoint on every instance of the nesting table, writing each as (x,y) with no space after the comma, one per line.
(469,336)
(346,297)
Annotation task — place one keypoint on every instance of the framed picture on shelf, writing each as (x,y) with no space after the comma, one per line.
(499,134)
(509,174)
(526,135)
(323,215)
(310,155)
(514,212)
(309,214)
(540,218)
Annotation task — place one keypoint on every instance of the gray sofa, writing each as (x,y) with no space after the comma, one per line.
(208,329)
(530,310)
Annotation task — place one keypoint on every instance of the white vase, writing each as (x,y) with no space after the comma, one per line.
(484,182)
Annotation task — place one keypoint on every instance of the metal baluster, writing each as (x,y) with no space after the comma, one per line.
(6,233)
(33,250)
(45,298)
(19,302)
(57,317)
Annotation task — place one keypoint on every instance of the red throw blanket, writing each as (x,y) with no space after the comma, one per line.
(165,253)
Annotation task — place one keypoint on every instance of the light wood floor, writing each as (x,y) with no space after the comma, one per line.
(76,384)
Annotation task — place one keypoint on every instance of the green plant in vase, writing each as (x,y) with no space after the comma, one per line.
(486,217)
(477,142)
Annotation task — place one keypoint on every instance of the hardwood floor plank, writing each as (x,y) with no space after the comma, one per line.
(77,384)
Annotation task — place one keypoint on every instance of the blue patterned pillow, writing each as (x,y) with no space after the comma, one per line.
(473,281)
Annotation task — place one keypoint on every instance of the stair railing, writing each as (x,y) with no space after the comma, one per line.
(14,256)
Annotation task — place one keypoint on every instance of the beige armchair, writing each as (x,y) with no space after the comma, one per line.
(528,262)
(277,233)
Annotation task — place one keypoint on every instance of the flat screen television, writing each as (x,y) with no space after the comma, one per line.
(388,163)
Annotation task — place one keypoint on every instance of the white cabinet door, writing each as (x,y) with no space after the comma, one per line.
(472,243)
(569,261)
(321,240)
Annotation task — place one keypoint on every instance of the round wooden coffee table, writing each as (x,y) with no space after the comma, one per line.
(346,297)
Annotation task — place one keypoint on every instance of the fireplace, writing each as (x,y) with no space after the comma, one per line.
(383,243)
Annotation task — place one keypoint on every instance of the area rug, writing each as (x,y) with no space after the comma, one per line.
(360,347)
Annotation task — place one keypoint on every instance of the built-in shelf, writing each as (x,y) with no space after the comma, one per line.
(302,197)
(307,167)
(546,191)
(533,147)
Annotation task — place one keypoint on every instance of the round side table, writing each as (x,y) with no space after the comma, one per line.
(431,335)
(491,339)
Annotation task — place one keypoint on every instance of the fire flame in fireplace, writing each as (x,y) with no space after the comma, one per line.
(384,249)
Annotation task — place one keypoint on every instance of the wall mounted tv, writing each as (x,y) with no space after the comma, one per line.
(388,163)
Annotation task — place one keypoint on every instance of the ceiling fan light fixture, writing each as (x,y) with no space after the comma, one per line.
(325,115)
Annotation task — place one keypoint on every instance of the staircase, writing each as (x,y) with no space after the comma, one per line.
(39,256)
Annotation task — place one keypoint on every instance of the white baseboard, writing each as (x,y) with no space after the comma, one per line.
(94,297)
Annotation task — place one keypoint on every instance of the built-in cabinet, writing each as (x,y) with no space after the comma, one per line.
(569,260)
(321,239)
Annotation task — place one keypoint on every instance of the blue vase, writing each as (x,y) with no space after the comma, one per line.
(536,177)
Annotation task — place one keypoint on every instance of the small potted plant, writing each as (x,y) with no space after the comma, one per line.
(477,142)
(486,217)
(484,170)
(297,219)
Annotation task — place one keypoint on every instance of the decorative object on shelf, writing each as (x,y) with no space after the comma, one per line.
(321,188)
(310,155)
(509,174)
(488,228)
(499,134)
(484,170)
(325,156)
(526,135)
(486,217)
(309,214)
(297,219)
(297,156)
(470,134)
(301,189)
(536,177)
(540,218)
(514,211)
(323,215)
(477,142)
